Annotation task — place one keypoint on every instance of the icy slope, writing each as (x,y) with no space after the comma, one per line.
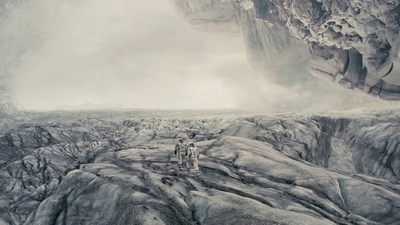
(119,168)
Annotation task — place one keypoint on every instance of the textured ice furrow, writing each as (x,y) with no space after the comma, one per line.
(130,174)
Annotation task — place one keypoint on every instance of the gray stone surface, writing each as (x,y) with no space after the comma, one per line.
(119,168)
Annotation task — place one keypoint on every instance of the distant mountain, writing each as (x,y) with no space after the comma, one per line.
(89,106)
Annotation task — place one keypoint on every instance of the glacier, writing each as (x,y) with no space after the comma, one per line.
(118,167)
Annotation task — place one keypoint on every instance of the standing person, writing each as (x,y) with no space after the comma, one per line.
(193,158)
(181,151)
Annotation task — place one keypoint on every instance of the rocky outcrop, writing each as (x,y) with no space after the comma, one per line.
(71,168)
(353,43)
(357,41)
(209,16)
(267,45)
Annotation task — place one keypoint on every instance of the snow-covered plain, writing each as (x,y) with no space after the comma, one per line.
(118,167)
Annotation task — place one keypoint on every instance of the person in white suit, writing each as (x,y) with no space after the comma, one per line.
(193,158)
(181,151)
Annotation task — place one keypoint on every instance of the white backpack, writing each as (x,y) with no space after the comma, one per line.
(193,152)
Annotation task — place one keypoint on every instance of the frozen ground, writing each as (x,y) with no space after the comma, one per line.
(119,168)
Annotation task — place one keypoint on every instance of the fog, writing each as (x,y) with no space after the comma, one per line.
(139,54)
(126,56)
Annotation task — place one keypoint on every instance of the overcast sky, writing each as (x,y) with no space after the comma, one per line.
(138,54)
(132,54)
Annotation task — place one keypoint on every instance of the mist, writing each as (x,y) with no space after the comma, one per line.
(125,54)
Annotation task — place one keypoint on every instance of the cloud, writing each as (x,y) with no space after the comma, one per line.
(122,54)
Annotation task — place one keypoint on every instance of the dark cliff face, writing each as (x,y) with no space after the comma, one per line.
(353,43)
(90,168)
(357,40)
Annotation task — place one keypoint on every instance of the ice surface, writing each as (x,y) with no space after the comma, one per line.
(119,168)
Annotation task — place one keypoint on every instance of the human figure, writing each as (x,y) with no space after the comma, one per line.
(181,151)
(193,158)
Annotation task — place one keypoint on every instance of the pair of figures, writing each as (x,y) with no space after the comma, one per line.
(192,153)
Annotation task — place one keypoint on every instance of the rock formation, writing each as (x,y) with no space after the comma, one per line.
(354,43)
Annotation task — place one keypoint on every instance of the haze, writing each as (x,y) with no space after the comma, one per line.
(139,54)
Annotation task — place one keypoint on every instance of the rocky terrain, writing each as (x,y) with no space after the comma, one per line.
(119,168)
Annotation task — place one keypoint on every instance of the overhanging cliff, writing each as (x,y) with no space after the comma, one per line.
(353,43)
